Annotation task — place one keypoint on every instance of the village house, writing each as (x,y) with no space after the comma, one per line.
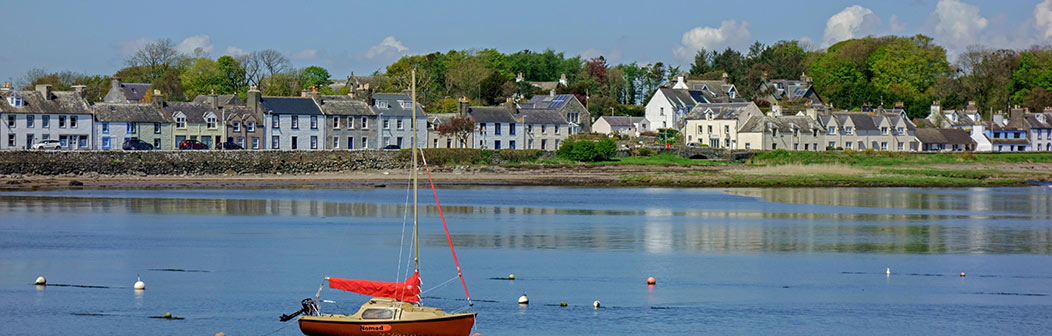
(780,91)
(394,111)
(800,132)
(495,126)
(1040,130)
(192,121)
(945,140)
(669,105)
(348,123)
(886,130)
(542,129)
(126,92)
(567,105)
(716,125)
(241,123)
(30,116)
(622,125)
(117,122)
(1010,135)
(291,122)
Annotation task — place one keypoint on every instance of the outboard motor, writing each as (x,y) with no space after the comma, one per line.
(310,308)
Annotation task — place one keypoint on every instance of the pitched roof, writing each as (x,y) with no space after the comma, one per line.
(393,107)
(541,117)
(290,105)
(344,105)
(682,98)
(227,99)
(33,102)
(862,121)
(135,91)
(488,114)
(1039,120)
(129,112)
(618,120)
(547,101)
(720,110)
(195,112)
(236,111)
(944,136)
(761,123)
(788,88)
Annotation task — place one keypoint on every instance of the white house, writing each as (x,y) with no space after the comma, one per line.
(669,106)
(293,123)
(29,117)
(716,125)
(395,114)
(619,125)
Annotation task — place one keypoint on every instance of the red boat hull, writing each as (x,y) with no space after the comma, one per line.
(459,325)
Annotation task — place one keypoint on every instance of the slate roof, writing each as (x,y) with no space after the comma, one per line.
(618,121)
(541,117)
(787,88)
(1039,120)
(290,105)
(713,90)
(761,123)
(546,85)
(720,110)
(547,101)
(61,102)
(227,99)
(135,91)
(236,111)
(1010,141)
(862,121)
(951,136)
(129,112)
(682,98)
(195,112)
(393,108)
(344,105)
(490,114)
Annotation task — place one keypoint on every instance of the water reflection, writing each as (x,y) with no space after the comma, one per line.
(1035,200)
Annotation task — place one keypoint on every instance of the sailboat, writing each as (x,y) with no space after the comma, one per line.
(395,308)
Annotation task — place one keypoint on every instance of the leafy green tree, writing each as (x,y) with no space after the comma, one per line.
(233,74)
(204,77)
(702,63)
(315,76)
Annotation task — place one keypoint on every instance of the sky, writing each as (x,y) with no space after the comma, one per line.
(365,36)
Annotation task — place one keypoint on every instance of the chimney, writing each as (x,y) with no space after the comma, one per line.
(551,93)
(462,105)
(45,90)
(725,76)
(1016,113)
(680,82)
(115,83)
(519,78)
(812,113)
(900,105)
(803,76)
(936,108)
(252,99)
(563,81)
(511,105)
(6,87)
(776,111)
(81,90)
(157,98)
(213,99)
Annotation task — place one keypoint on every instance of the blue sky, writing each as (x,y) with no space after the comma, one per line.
(364,36)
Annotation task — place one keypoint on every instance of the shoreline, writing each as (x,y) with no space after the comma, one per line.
(573,175)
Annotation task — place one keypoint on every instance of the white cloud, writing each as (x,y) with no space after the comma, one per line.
(957,24)
(1043,18)
(852,22)
(128,48)
(729,34)
(388,47)
(197,45)
(235,51)
(306,54)
(897,26)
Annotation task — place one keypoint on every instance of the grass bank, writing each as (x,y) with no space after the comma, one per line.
(878,158)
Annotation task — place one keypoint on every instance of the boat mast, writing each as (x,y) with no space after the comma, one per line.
(416,244)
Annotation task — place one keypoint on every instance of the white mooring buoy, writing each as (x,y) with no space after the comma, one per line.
(511,276)
(596,304)
(139,285)
(40,281)
(888,272)
(523,299)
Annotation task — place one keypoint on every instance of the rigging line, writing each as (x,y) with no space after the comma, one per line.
(448,238)
(439,285)
(401,244)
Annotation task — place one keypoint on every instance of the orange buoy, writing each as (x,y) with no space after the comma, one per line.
(962,274)
(651,281)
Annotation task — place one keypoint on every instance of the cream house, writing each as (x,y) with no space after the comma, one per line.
(716,125)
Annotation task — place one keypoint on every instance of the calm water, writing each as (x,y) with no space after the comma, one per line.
(739,261)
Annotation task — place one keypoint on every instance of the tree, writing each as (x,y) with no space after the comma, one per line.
(1038,99)
(459,127)
(315,76)
(96,86)
(204,77)
(785,59)
(233,74)
(702,62)
(156,58)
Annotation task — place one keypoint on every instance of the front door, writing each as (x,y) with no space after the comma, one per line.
(294,144)
(29,141)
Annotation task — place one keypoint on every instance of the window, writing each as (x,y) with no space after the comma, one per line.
(157,143)
(61,121)
(180,121)
(275,121)
(295,122)
(847,145)
(364,124)
(831,130)
(709,129)
(496,144)
(449,143)
(529,144)
(529,129)
(131,128)
(435,144)
(884,130)
(378,314)
(900,131)
(29,120)
(399,142)
(105,128)
(496,128)
(774,146)
(399,123)
(748,145)
(274,142)
(336,123)
(847,130)
(511,130)
(314,142)
(313,122)
(727,129)
(662,110)
(511,144)
(482,128)
(45,121)
(10,140)
(544,129)
(241,142)
(832,144)
(556,143)
(237,126)
(72,121)
(350,122)
(556,129)
(544,143)
(380,103)
(211,122)
(350,142)
(796,146)
(884,146)
(11,121)
(255,143)
(105,142)
(365,143)
(156,129)
(900,146)
(250,127)
(295,143)
(387,123)
(406,103)
(335,142)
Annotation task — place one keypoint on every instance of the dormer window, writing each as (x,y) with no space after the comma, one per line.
(180,121)
(406,104)
(211,121)
(380,103)
(16,100)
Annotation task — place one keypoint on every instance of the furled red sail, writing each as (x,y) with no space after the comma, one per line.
(408,291)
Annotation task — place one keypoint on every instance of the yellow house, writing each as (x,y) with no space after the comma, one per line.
(195,121)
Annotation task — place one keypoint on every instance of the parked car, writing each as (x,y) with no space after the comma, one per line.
(392,147)
(48,144)
(192,144)
(231,146)
(136,144)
